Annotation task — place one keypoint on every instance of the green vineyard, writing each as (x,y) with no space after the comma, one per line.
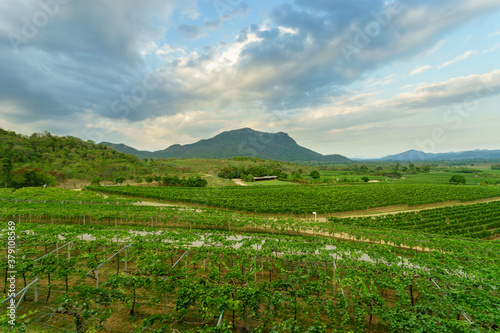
(92,262)
(214,282)
(477,221)
(306,199)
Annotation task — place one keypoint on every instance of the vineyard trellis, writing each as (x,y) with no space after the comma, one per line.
(254,272)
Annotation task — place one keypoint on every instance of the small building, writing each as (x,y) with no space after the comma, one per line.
(259,179)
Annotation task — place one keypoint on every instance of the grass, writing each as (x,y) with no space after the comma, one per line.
(443,177)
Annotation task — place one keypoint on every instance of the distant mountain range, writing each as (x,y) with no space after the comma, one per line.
(243,142)
(420,156)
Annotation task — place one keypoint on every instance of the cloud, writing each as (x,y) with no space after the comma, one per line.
(355,111)
(190,31)
(492,49)
(457,90)
(420,70)
(494,34)
(85,56)
(98,58)
(459,58)
(227,11)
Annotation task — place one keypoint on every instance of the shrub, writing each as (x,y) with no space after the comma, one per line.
(458,179)
(283,176)
(314,174)
(96,181)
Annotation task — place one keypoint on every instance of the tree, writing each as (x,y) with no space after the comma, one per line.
(96,181)
(283,176)
(365,179)
(6,171)
(314,174)
(32,178)
(458,179)
(120,180)
(295,175)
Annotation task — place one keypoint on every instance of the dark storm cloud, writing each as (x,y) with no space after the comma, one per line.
(60,56)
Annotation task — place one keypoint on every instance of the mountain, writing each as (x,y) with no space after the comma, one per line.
(417,156)
(243,142)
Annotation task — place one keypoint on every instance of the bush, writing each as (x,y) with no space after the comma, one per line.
(365,179)
(96,181)
(458,179)
(314,174)
(120,180)
(295,175)
(32,178)
(170,181)
(283,176)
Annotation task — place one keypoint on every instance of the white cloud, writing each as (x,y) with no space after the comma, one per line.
(459,58)
(494,34)
(420,70)
(492,49)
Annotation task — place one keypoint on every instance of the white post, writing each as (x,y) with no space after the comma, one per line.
(314,217)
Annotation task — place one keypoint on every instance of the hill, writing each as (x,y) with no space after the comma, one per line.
(417,156)
(65,157)
(243,142)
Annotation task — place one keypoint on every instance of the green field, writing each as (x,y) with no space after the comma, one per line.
(306,199)
(184,269)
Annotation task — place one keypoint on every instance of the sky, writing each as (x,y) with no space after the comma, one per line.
(363,78)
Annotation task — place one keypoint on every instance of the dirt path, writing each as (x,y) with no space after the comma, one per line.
(238,181)
(151,203)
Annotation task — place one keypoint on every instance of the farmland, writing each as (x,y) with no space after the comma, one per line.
(306,199)
(197,268)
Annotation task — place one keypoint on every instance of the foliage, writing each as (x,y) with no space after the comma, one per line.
(314,174)
(306,199)
(458,179)
(120,180)
(6,172)
(65,157)
(96,181)
(32,178)
(283,176)
(195,181)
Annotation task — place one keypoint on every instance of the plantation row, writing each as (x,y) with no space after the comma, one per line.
(57,195)
(371,230)
(306,199)
(476,221)
(163,217)
(194,281)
